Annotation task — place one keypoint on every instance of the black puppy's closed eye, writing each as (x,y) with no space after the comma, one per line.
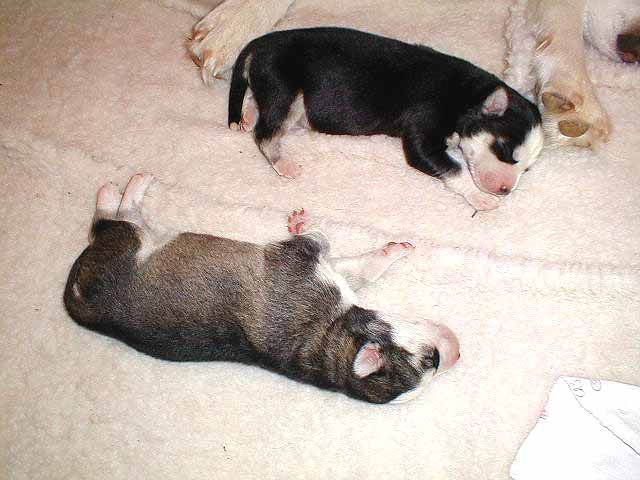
(503,151)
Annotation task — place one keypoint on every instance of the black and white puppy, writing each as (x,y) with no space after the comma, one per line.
(346,82)
(285,306)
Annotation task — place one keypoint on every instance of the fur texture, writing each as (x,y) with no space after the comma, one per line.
(350,82)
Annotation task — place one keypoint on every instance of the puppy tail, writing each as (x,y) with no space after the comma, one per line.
(239,84)
(78,305)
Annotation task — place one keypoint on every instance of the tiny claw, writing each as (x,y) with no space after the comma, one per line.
(389,247)
(198,35)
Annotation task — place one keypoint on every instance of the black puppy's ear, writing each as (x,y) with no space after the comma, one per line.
(496,103)
(368,360)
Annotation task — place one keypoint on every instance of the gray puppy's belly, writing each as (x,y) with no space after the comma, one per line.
(201,279)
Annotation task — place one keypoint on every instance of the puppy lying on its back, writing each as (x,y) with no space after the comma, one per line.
(284,306)
(346,82)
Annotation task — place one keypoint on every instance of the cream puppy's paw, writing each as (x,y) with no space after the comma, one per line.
(217,39)
(573,115)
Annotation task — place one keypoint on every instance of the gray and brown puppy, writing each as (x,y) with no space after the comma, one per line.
(285,306)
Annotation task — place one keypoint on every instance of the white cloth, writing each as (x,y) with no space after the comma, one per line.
(589,429)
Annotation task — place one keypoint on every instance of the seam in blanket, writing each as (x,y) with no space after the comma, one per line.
(526,272)
(485,267)
(184,6)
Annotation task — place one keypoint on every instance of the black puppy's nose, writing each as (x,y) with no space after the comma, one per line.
(504,190)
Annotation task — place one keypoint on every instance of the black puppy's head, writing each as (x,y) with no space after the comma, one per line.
(500,138)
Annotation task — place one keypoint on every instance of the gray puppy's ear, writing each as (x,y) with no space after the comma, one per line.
(368,360)
(496,103)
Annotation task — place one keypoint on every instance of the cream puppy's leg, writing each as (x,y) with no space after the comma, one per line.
(521,46)
(572,112)
(217,39)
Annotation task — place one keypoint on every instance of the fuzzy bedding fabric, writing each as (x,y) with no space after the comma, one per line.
(546,285)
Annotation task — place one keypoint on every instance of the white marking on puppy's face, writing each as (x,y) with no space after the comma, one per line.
(493,175)
(419,338)
(488,173)
(528,152)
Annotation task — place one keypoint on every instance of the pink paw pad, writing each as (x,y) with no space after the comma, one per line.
(249,119)
(287,168)
(393,247)
(296,221)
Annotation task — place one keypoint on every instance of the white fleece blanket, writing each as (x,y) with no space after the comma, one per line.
(589,429)
(546,285)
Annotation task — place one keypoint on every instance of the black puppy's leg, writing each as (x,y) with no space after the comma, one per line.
(369,267)
(249,115)
(429,154)
(274,102)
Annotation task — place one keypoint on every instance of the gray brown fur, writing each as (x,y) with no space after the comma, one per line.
(202,297)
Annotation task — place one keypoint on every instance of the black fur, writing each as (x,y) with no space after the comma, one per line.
(355,83)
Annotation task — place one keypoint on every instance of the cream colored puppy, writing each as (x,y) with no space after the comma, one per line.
(217,39)
(546,60)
